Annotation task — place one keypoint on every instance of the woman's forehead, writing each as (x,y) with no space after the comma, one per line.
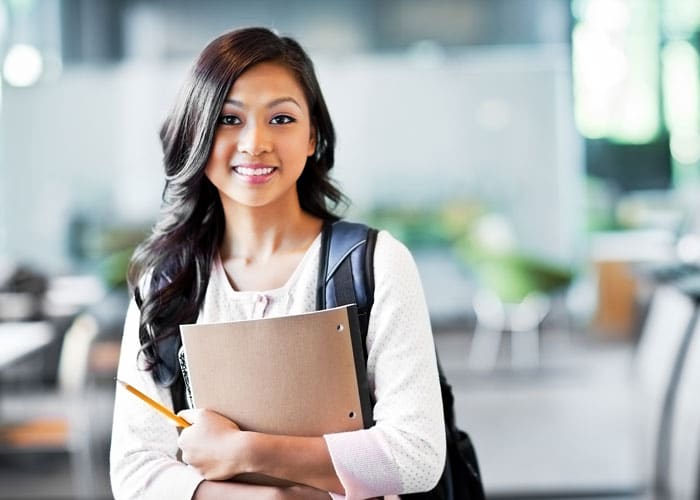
(267,81)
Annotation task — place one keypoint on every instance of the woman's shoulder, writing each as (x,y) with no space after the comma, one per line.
(393,261)
(387,248)
(390,248)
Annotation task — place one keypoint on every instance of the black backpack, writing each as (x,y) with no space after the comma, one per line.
(346,276)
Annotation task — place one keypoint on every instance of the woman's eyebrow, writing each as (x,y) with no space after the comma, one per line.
(281,100)
(271,104)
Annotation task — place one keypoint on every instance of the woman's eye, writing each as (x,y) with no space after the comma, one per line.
(282,120)
(229,120)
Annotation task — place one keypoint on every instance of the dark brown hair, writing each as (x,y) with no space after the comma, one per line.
(170,270)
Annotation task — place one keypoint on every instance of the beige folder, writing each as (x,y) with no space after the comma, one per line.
(300,375)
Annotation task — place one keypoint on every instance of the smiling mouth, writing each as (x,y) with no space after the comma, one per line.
(254,171)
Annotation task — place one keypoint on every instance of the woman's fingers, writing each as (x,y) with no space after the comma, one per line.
(210,444)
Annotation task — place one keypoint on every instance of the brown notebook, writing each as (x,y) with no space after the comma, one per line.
(299,375)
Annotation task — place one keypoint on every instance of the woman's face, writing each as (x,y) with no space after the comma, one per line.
(262,139)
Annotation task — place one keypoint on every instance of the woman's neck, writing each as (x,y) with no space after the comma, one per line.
(256,234)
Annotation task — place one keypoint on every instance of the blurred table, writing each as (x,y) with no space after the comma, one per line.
(20,339)
(615,254)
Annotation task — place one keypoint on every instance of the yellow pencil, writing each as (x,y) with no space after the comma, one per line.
(181,422)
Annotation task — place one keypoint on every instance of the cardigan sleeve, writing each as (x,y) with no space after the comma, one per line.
(405,451)
(143,453)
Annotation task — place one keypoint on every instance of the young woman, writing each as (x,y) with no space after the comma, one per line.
(247,151)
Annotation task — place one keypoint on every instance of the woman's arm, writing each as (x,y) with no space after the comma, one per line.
(143,454)
(219,450)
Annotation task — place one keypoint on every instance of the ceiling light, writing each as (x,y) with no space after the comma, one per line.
(23,65)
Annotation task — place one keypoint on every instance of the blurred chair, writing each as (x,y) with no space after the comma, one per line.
(670,321)
(683,472)
(525,319)
(490,324)
(57,422)
(494,317)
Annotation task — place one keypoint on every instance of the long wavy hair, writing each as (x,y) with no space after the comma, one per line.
(169,271)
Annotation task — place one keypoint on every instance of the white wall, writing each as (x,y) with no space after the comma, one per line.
(87,143)
(496,124)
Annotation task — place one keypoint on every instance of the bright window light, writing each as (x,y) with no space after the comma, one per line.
(681,67)
(685,148)
(611,15)
(615,51)
(681,17)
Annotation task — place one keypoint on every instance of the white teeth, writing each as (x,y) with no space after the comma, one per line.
(254,171)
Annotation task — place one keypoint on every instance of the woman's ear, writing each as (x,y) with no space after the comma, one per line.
(312,142)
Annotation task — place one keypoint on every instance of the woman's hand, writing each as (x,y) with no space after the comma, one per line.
(218,449)
(213,444)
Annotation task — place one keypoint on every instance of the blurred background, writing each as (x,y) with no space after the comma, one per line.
(541,159)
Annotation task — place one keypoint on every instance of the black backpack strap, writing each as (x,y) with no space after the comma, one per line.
(346,276)
(346,270)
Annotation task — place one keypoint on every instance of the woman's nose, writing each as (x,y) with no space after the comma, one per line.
(254,140)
